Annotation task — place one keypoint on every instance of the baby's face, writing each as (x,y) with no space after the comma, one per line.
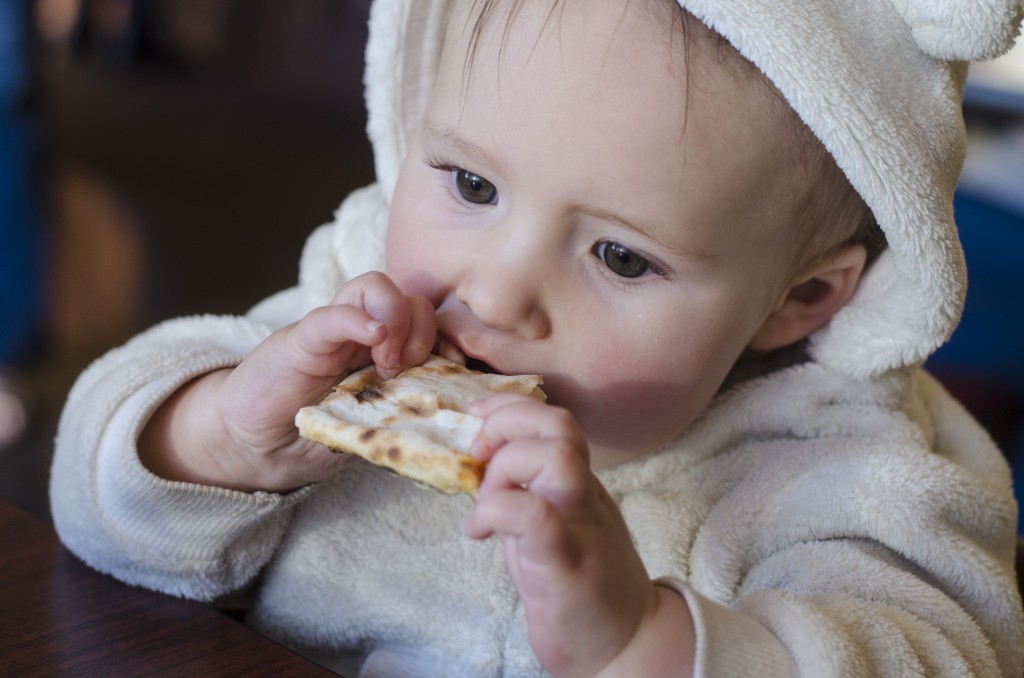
(564,221)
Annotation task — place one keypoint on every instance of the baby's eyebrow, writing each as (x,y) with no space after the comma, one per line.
(455,141)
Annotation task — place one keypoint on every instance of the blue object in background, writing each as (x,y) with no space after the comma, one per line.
(20,279)
(990,337)
(988,346)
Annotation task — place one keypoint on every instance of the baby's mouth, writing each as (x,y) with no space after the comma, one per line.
(449,350)
(480,366)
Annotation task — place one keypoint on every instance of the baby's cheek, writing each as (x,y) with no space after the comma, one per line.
(401,261)
(629,419)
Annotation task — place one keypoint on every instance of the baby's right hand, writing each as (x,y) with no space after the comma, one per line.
(235,428)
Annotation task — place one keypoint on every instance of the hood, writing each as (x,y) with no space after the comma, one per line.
(879,82)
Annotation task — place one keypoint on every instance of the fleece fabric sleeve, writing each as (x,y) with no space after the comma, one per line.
(895,622)
(187,540)
(184,539)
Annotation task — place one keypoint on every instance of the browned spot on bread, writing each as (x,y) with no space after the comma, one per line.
(369,394)
(472,471)
(394,453)
(368,435)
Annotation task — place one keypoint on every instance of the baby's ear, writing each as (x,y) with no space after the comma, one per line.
(812,299)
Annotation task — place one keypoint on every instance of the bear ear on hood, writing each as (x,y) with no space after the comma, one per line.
(962,30)
(879,82)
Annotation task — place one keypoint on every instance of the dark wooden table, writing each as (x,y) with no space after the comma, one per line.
(60,618)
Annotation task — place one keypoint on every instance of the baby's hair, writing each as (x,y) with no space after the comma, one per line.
(828,212)
(831,213)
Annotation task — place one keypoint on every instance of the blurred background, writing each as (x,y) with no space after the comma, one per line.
(169,157)
(157,158)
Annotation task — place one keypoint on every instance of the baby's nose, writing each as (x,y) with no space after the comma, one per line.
(505,295)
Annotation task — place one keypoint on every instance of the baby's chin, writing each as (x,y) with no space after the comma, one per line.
(625,421)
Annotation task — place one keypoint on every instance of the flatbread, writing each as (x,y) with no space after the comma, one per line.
(415,424)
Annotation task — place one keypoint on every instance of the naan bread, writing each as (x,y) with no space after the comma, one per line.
(415,424)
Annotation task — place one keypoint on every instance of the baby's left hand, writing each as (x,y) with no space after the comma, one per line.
(568,552)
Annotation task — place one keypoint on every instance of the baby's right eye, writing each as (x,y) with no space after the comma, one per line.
(474,188)
(621,260)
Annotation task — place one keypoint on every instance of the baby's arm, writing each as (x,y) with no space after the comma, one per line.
(189,540)
(234,427)
(192,540)
(591,608)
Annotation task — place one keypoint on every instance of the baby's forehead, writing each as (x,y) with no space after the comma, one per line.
(720,91)
(700,60)
(688,98)
(691,47)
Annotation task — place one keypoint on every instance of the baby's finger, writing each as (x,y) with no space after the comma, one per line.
(515,417)
(409,340)
(409,321)
(372,291)
(422,332)
(554,469)
(379,296)
(323,329)
(484,408)
(540,530)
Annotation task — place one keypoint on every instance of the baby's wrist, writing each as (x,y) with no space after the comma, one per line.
(664,643)
(185,439)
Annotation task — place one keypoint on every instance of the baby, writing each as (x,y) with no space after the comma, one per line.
(740,469)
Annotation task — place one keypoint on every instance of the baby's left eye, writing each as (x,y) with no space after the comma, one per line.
(474,188)
(621,260)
